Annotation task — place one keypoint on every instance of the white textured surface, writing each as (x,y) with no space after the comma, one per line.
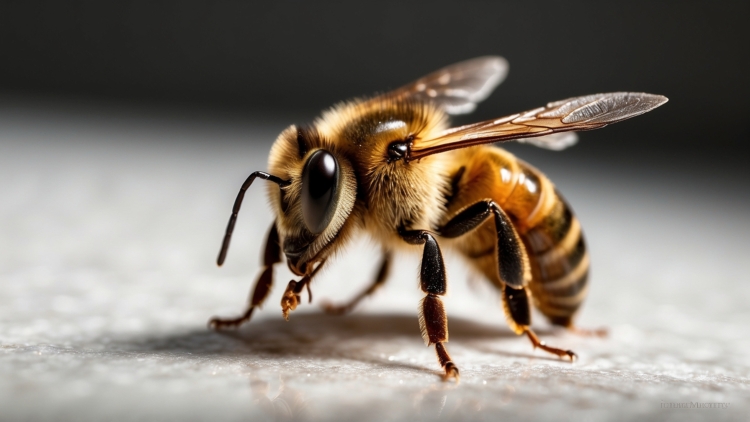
(110,227)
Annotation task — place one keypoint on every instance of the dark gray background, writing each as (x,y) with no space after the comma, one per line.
(297,58)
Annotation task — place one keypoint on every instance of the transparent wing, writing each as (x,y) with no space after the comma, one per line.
(579,113)
(459,87)
(554,141)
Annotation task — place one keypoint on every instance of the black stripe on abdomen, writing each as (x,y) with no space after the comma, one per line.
(559,263)
(551,230)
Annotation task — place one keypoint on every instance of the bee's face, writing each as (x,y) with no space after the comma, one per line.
(313,208)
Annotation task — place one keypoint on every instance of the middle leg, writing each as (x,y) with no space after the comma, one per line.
(432,319)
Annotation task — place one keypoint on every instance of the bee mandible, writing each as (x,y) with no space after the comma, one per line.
(391,166)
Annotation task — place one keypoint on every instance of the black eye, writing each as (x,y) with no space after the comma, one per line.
(319,190)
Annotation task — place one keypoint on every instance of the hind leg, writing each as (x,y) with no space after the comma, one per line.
(517,311)
(512,262)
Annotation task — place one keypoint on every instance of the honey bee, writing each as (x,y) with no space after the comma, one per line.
(391,166)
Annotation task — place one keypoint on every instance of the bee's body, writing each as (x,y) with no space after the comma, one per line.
(390,166)
(429,193)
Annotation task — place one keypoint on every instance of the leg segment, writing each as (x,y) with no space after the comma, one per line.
(554,350)
(517,311)
(513,266)
(272,255)
(432,319)
(385,266)
(516,307)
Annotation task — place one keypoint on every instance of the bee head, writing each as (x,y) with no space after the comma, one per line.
(314,207)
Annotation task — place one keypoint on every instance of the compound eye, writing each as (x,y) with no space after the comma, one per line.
(320,180)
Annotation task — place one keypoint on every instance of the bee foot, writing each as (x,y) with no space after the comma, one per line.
(289,300)
(332,309)
(451,372)
(220,324)
(535,342)
(588,332)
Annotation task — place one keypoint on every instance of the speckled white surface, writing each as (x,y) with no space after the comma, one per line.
(111,224)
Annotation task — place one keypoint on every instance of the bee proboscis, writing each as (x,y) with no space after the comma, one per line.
(392,167)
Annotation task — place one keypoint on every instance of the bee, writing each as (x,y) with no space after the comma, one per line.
(392,167)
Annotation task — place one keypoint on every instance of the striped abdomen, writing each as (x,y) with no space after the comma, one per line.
(559,262)
(551,233)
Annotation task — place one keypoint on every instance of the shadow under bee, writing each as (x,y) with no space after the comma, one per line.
(318,336)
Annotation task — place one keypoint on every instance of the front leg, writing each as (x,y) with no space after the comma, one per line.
(271,256)
(432,319)
(291,297)
(513,266)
